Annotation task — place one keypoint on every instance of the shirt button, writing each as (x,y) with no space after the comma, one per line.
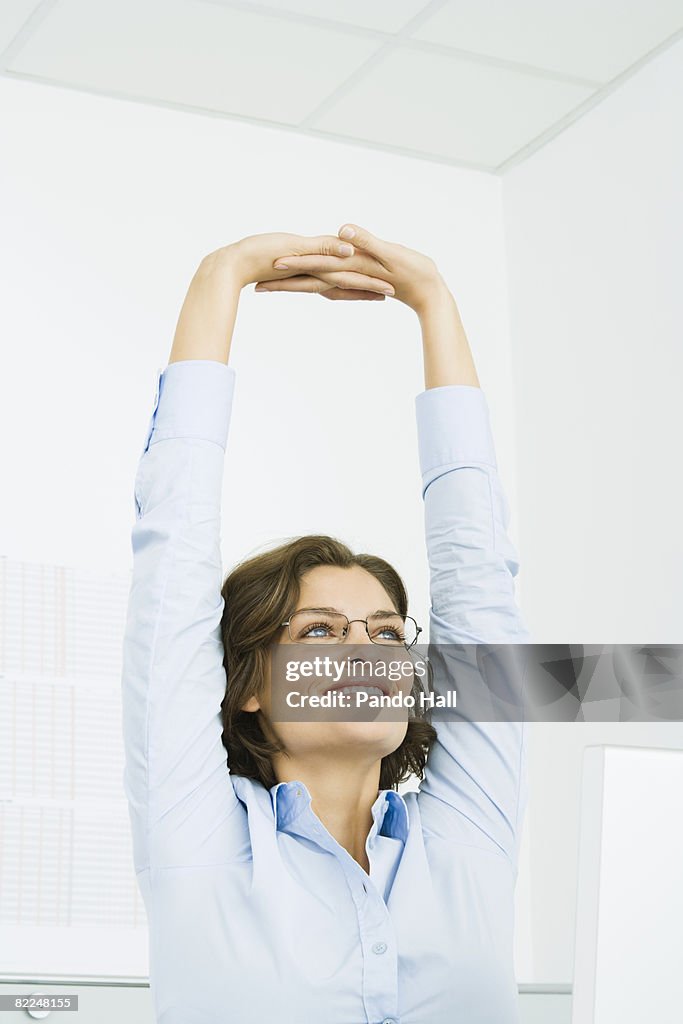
(298,792)
(388,1020)
(381,947)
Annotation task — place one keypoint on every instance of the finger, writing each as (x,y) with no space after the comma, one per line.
(313,284)
(328,253)
(360,262)
(364,239)
(326,245)
(319,266)
(313,261)
(353,295)
(293,284)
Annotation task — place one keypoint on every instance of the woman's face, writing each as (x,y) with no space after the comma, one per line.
(356,593)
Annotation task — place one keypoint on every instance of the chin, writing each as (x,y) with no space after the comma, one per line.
(385,736)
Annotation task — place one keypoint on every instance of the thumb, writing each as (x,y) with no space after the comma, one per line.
(362,238)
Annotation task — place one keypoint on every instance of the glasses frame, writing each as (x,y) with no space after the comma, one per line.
(337,643)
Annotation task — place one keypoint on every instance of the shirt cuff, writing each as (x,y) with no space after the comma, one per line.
(193,398)
(453,426)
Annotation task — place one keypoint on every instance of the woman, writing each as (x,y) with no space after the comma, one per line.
(301,886)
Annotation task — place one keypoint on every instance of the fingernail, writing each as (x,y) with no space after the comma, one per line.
(346,233)
(281,266)
(346,250)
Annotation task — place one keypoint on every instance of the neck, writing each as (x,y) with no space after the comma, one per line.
(342,796)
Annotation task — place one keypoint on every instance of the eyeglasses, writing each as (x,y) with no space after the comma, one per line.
(319,626)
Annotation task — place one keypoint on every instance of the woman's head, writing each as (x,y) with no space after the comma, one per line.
(260,594)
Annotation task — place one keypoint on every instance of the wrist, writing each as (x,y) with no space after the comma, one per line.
(447,355)
(224,263)
(430,295)
(207,317)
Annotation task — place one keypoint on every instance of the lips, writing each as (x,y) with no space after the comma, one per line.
(360,684)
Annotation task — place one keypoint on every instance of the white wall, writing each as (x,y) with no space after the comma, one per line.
(594,238)
(594,241)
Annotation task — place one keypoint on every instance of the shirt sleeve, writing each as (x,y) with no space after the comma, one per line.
(476,779)
(176,778)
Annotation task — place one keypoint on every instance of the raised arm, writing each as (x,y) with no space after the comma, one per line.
(181,803)
(476,783)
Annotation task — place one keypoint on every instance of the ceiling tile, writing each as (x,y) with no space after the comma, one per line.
(13,14)
(596,41)
(382,15)
(449,107)
(196,54)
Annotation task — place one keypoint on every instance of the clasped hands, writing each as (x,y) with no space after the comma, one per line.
(354,264)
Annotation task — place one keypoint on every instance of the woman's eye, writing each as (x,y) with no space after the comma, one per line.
(311,631)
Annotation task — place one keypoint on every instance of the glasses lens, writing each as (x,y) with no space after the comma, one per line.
(316,627)
(394,630)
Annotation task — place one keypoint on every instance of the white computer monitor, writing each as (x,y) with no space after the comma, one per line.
(628,957)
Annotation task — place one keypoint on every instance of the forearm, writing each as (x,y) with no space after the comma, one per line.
(447,355)
(207,317)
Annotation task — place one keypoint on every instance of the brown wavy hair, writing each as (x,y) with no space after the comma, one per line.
(259,593)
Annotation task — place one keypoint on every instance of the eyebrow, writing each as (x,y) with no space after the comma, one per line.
(319,608)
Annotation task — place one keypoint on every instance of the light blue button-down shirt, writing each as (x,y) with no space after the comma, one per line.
(256,913)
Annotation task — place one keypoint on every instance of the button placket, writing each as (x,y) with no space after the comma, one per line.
(380,977)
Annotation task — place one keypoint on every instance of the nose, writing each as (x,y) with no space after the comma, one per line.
(360,636)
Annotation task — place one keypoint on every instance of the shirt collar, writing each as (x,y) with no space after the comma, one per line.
(389,811)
